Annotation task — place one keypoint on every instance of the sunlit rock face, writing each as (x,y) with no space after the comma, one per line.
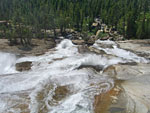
(138,94)
(76,79)
(127,71)
(135,85)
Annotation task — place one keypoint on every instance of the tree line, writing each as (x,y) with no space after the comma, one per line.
(25,19)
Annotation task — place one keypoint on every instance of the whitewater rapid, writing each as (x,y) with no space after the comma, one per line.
(34,91)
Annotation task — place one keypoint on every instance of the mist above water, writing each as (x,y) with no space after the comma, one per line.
(7,62)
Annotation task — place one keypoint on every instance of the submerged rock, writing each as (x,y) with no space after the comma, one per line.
(98,68)
(109,102)
(97,51)
(60,93)
(49,96)
(24,66)
(90,41)
(40,96)
(116,110)
(83,49)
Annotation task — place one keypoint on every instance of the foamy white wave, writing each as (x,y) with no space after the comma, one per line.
(107,42)
(94,60)
(65,44)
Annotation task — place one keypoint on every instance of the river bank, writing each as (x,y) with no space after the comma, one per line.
(38,47)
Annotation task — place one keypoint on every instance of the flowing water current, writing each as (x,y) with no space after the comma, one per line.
(56,82)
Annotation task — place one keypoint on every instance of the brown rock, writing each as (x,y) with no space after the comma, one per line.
(91,41)
(103,102)
(78,42)
(106,38)
(97,51)
(96,67)
(83,49)
(102,45)
(60,93)
(111,71)
(40,98)
(24,66)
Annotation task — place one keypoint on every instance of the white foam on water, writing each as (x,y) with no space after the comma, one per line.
(83,93)
(65,44)
(93,59)
(74,104)
(7,63)
(107,42)
(119,52)
(3,105)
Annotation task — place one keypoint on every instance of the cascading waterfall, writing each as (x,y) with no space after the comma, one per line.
(39,90)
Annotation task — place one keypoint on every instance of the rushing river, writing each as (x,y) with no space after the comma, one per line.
(58,81)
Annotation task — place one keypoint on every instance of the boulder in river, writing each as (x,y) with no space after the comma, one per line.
(90,41)
(83,49)
(96,67)
(60,93)
(24,66)
(78,42)
(97,51)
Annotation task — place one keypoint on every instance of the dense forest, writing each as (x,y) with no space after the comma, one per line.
(25,19)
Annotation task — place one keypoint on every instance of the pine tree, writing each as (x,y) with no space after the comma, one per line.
(131,27)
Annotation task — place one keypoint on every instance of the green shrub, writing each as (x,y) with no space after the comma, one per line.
(101,35)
